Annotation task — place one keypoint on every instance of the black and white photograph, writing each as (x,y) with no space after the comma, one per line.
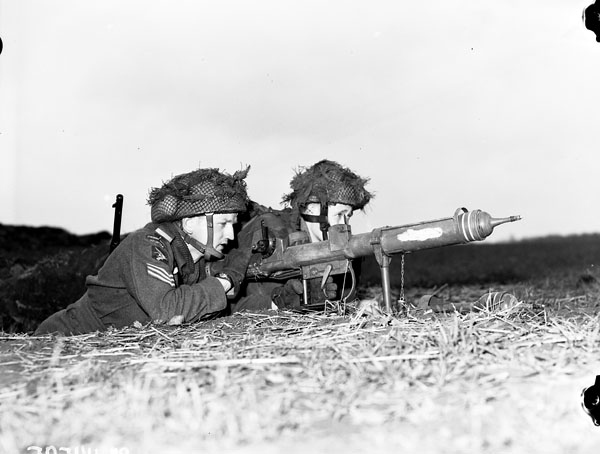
(271,226)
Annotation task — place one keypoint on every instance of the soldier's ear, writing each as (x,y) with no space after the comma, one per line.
(187,225)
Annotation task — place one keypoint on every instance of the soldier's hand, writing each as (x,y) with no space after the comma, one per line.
(289,295)
(330,289)
(234,266)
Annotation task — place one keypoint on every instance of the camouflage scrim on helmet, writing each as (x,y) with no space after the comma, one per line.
(327,182)
(198,192)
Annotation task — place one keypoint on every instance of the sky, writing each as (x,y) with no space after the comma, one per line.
(441,104)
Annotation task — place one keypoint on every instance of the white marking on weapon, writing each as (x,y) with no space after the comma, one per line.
(420,235)
(466,229)
(471,227)
(465,224)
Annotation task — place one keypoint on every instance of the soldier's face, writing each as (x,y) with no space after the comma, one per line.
(337,213)
(197,228)
(223,229)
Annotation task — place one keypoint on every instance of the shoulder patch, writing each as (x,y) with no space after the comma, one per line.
(159,255)
(155,239)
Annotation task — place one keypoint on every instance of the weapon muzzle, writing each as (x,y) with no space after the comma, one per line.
(476,225)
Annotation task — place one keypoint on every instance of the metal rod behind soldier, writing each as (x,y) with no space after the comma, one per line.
(116,235)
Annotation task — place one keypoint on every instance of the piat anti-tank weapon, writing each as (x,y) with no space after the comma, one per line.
(295,256)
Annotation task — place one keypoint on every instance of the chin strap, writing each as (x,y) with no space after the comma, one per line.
(321,219)
(209,251)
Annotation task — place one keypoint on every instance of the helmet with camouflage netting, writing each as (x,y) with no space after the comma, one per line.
(327,182)
(199,192)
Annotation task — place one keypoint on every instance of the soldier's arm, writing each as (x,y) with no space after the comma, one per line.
(153,285)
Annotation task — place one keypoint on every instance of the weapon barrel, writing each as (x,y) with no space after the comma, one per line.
(464,227)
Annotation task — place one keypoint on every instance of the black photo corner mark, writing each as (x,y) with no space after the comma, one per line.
(590,401)
(0,45)
(591,19)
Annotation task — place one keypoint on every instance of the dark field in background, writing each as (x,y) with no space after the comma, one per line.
(501,263)
(43,269)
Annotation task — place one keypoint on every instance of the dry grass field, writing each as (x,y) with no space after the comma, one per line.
(348,381)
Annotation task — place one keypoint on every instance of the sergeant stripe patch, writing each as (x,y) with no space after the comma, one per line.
(160,273)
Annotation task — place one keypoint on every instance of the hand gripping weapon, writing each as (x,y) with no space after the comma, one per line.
(312,260)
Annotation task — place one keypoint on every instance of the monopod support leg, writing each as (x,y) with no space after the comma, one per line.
(383,261)
(385,283)
(305,291)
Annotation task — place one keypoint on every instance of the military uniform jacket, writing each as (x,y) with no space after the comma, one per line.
(139,282)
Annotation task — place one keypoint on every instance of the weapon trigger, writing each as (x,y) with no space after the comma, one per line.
(326,274)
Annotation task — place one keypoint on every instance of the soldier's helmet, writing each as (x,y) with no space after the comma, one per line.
(327,182)
(199,192)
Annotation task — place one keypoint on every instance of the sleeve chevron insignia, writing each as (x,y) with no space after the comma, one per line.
(160,273)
